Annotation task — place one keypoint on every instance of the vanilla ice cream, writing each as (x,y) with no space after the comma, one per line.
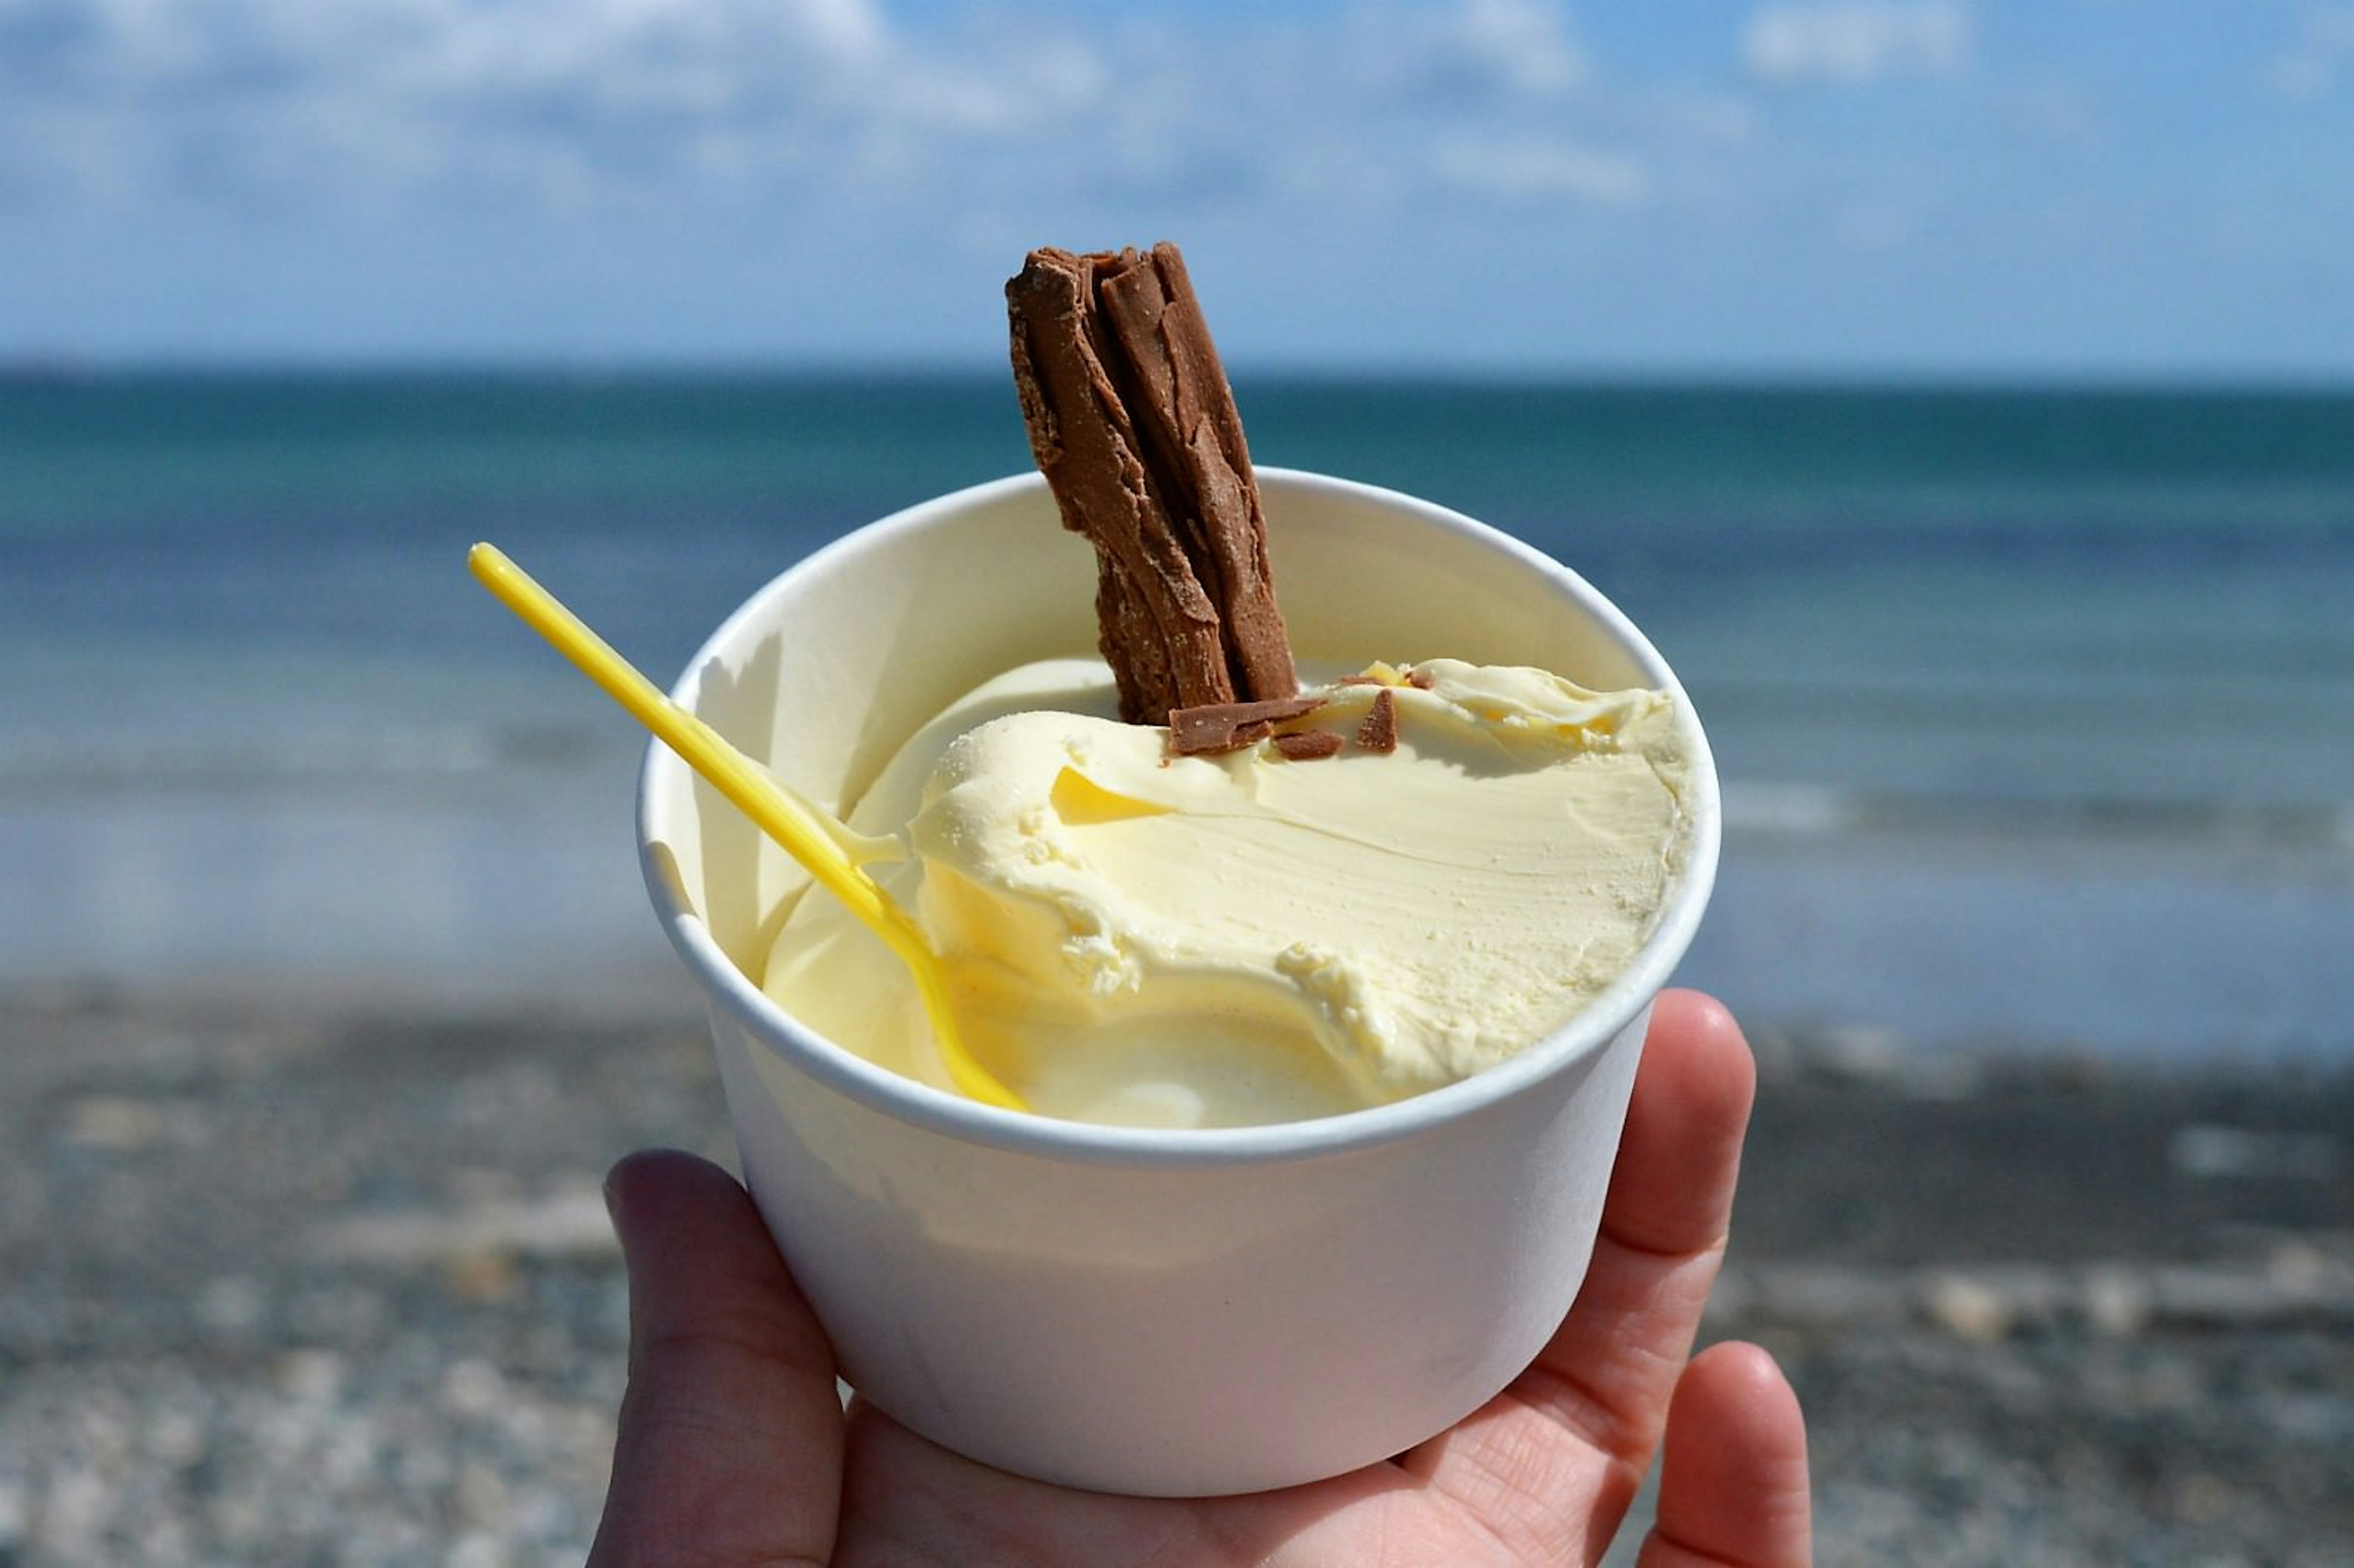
(1140,937)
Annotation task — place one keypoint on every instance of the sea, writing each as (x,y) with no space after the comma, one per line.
(2034,705)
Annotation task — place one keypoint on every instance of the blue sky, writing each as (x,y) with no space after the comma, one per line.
(1910,187)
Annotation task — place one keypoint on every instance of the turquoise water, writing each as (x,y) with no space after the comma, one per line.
(2091,648)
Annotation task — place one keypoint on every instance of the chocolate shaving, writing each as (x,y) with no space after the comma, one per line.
(1230,727)
(1419,681)
(1133,424)
(1378,733)
(1307,745)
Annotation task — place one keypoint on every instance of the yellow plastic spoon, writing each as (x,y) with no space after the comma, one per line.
(808,834)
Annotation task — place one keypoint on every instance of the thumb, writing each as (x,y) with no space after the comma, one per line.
(1733,1477)
(729,1449)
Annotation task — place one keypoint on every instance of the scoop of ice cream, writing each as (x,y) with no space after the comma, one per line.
(1141,937)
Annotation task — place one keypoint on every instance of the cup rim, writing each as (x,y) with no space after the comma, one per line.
(663,774)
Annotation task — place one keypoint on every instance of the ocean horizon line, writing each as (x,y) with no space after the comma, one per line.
(37,370)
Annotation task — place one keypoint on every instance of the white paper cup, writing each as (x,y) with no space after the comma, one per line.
(1180,1313)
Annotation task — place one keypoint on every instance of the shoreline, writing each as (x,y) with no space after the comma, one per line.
(1938,940)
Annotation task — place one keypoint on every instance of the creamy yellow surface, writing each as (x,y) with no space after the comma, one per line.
(1158,941)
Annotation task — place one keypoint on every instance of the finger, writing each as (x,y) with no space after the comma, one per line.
(730,1442)
(1564,1448)
(1608,1373)
(1679,1157)
(1733,1480)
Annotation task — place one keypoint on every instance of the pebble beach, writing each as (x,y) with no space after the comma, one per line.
(302,1277)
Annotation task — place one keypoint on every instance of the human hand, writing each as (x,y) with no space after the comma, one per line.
(735,1450)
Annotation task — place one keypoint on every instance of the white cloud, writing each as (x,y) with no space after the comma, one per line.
(294,96)
(1528,43)
(845,177)
(402,105)
(2058,114)
(658,140)
(2321,58)
(1857,41)
(1466,57)
(1528,169)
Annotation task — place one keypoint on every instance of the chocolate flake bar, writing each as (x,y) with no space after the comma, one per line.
(1307,745)
(1378,733)
(1230,727)
(1133,424)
